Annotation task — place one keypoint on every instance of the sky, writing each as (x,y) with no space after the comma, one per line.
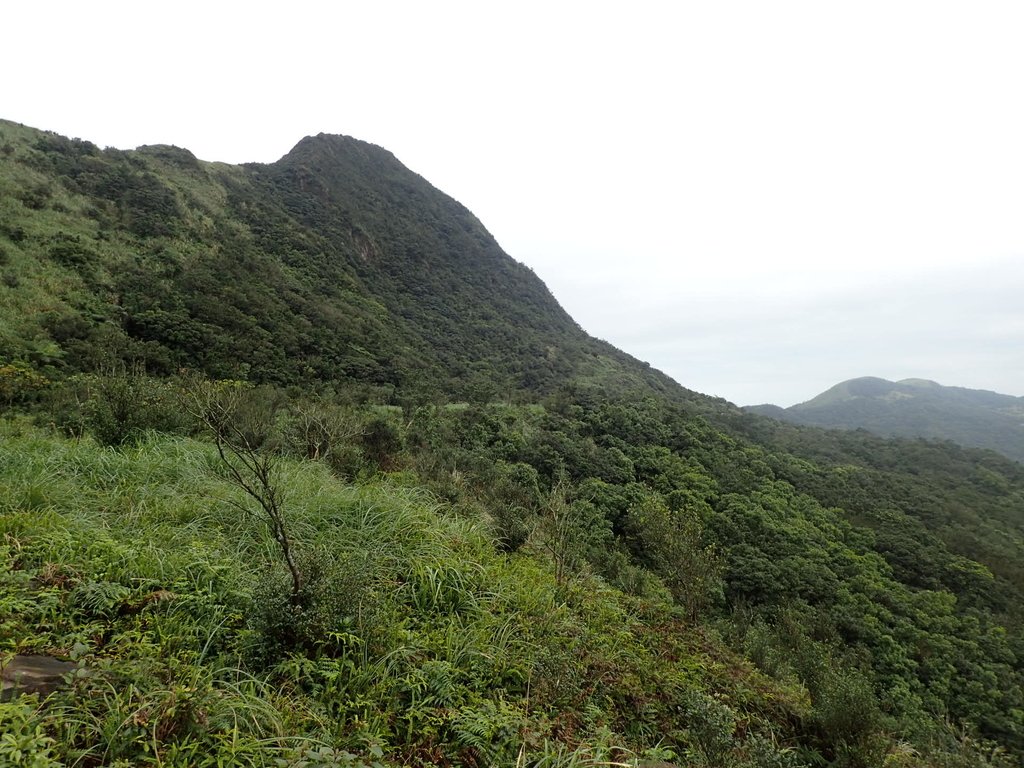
(759,199)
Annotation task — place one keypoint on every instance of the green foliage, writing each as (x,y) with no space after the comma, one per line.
(244,429)
(380,283)
(318,429)
(24,742)
(563,533)
(313,622)
(673,545)
(381,442)
(119,409)
(514,499)
(19,383)
(714,524)
(414,641)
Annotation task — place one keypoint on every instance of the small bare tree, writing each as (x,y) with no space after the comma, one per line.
(242,429)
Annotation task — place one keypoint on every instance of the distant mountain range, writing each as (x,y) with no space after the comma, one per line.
(914,408)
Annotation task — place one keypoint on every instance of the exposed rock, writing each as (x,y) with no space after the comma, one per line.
(33,674)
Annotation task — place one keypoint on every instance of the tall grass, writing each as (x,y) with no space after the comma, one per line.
(417,643)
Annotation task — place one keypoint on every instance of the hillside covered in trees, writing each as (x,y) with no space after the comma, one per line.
(298,468)
(915,408)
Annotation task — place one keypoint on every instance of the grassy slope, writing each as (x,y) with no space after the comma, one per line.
(432,647)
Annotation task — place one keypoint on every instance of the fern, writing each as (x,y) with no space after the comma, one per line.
(99,598)
(490,730)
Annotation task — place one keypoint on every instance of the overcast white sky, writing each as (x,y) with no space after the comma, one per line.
(759,198)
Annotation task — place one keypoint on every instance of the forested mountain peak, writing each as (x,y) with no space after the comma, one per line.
(915,408)
(333,149)
(927,383)
(336,263)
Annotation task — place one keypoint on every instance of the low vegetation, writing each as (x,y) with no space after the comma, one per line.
(452,591)
(411,641)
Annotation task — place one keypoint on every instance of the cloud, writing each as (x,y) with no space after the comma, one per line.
(961,327)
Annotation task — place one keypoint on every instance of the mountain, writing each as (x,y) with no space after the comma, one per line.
(334,264)
(300,468)
(915,408)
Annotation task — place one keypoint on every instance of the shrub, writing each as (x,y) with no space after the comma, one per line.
(119,409)
(321,619)
(382,442)
(318,429)
(19,383)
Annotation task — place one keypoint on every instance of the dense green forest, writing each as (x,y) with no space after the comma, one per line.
(915,408)
(299,469)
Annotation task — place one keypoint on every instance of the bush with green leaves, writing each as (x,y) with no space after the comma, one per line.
(24,741)
(116,409)
(20,383)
